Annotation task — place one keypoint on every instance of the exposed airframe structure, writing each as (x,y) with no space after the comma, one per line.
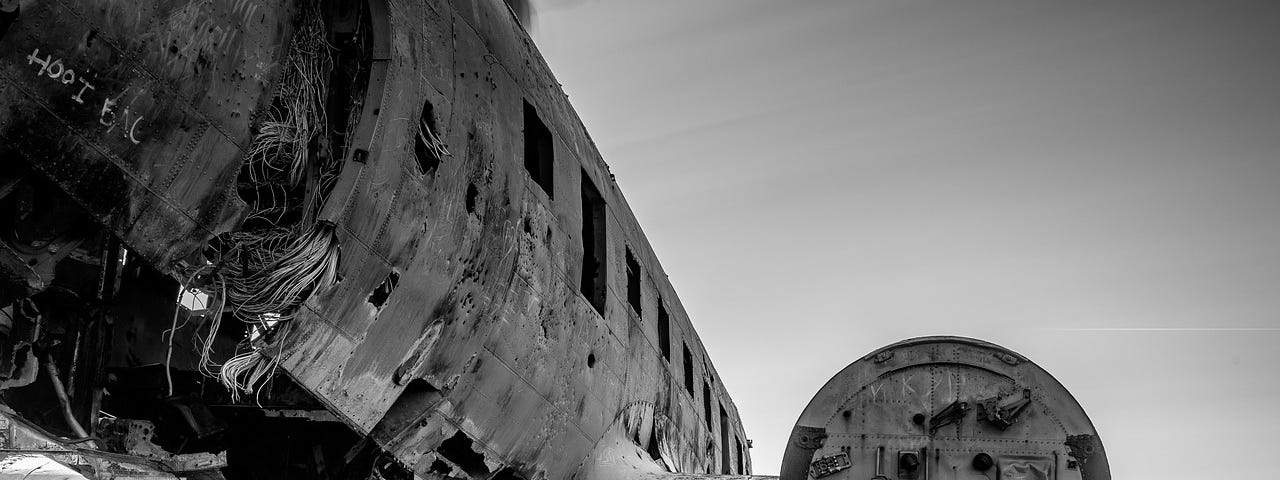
(396,249)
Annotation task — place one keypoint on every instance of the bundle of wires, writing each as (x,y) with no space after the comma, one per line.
(273,273)
(432,141)
(268,270)
(282,142)
(262,280)
(233,373)
(244,372)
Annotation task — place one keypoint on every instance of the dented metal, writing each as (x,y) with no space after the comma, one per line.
(379,206)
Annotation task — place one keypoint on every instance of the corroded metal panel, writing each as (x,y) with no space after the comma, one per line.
(943,408)
(486,308)
(138,110)
(455,314)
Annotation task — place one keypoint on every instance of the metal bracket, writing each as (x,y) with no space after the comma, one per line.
(809,438)
(951,414)
(1003,412)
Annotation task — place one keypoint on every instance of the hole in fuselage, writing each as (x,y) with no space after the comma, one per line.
(380,294)
(472,195)
(460,450)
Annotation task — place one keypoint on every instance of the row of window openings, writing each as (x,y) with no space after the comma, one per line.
(594,288)
(540,164)
(538,161)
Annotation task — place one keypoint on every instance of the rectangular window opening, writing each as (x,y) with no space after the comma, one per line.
(633,282)
(428,147)
(688,370)
(737,443)
(593,245)
(664,331)
(726,465)
(538,152)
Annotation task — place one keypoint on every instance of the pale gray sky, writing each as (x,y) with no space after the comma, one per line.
(822,178)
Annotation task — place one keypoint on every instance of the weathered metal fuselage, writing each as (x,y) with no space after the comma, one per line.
(493,307)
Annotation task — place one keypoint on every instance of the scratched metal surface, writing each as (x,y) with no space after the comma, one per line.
(870,406)
(139,109)
(487,308)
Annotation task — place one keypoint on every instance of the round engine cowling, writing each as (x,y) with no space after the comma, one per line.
(935,408)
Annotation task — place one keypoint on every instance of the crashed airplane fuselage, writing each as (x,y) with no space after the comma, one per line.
(330,239)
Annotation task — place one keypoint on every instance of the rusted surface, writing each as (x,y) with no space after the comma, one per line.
(903,412)
(1089,456)
(486,308)
(138,110)
(456,333)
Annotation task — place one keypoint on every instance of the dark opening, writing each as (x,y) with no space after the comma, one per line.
(688,370)
(654,452)
(428,146)
(439,466)
(593,244)
(664,331)
(380,294)
(633,282)
(458,449)
(706,404)
(472,195)
(726,465)
(591,360)
(737,442)
(538,153)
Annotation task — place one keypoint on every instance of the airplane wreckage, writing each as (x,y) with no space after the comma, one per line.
(256,239)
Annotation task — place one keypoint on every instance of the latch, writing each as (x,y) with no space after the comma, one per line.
(1003,412)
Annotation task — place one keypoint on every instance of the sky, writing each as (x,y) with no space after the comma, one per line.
(1093,184)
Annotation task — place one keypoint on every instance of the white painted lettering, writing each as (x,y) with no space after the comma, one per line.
(79,96)
(55,63)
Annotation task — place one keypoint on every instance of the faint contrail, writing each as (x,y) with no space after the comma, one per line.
(1169,329)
